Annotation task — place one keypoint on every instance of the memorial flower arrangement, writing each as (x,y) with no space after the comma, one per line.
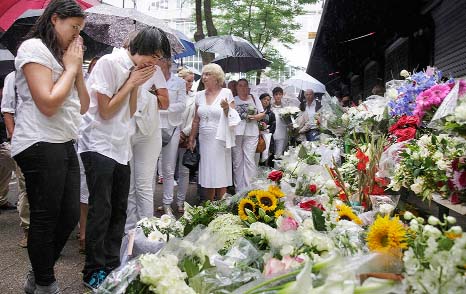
(425,165)
(162,228)
(289,113)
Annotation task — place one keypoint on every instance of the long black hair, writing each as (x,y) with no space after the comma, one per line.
(44,30)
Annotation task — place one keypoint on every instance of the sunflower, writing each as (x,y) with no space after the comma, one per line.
(267,201)
(279,212)
(243,204)
(275,190)
(386,235)
(345,212)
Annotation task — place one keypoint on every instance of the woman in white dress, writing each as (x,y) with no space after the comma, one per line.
(214,119)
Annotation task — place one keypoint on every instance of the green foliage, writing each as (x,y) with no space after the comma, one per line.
(202,215)
(262,22)
(137,287)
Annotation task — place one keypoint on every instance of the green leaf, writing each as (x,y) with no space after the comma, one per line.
(268,219)
(318,219)
(302,153)
(190,267)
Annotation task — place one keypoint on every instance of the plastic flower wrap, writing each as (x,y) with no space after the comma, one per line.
(331,115)
(165,226)
(368,115)
(118,280)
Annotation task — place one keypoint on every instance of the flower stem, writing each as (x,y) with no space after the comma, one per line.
(265,283)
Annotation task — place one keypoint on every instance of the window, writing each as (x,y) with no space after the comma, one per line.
(160,4)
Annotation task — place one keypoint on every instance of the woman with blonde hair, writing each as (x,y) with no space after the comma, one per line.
(215,118)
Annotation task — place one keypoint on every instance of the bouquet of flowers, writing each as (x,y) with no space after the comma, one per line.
(425,165)
(404,97)
(434,261)
(289,113)
(262,205)
(262,126)
(457,180)
(331,116)
(405,128)
(245,110)
(161,229)
(451,115)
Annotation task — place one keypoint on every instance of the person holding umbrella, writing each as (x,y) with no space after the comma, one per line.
(51,85)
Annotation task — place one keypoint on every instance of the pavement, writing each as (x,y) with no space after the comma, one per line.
(14,261)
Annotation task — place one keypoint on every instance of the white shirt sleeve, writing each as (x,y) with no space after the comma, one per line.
(33,51)
(102,79)
(9,94)
(229,95)
(159,79)
(178,100)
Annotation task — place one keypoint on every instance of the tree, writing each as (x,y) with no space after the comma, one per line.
(261,22)
(211,30)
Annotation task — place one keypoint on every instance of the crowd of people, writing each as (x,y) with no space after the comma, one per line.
(84,146)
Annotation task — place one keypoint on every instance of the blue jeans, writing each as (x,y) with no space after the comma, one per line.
(312,135)
(51,172)
(108,183)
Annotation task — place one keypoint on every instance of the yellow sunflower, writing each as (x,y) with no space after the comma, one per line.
(275,190)
(386,235)
(279,212)
(345,212)
(267,201)
(243,204)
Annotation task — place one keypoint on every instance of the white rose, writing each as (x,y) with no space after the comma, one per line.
(417,186)
(408,215)
(286,250)
(437,155)
(456,230)
(308,224)
(156,236)
(386,208)
(450,220)
(165,221)
(432,231)
(414,225)
(442,165)
(404,73)
(433,220)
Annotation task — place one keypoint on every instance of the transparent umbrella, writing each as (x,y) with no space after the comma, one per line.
(303,81)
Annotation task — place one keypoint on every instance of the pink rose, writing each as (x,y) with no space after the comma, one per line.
(288,224)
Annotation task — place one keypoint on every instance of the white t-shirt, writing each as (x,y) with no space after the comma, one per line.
(248,128)
(281,129)
(109,137)
(33,126)
(9,102)
(172,117)
(146,117)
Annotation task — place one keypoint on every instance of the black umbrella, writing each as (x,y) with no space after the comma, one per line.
(112,25)
(241,64)
(7,62)
(228,46)
(14,36)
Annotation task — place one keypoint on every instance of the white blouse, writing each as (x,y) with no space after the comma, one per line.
(245,127)
(109,137)
(33,126)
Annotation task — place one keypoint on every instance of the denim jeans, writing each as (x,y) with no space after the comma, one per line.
(108,184)
(51,171)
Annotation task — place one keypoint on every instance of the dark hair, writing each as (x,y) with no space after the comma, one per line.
(243,80)
(262,96)
(148,41)
(44,30)
(277,90)
(92,63)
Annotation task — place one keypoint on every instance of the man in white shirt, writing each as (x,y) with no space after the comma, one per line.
(10,103)
(105,148)
(280,136)
(311,110)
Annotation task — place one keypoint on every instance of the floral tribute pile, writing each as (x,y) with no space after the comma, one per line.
(327,220)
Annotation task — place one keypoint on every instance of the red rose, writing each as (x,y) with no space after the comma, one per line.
(377,190)
(405,134)
(313,188)
(309,204)
(342,196)
(275,175)
(405,121)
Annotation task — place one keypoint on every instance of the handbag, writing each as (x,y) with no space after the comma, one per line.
(167,135)
(260,144)
(191,159)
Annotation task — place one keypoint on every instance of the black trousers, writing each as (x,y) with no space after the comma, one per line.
(51,172)
(108,184)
